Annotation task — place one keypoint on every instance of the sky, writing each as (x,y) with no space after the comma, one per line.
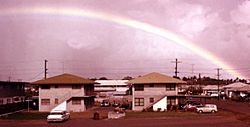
(92,47)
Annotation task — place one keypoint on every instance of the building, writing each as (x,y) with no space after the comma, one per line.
(211,90)
(155,91)
(111,89)
(231,89)
(12,96)
(77,92)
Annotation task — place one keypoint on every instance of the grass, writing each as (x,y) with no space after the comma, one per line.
(87,115)
(157,114)
(103,115)
(26,116)
(171,114)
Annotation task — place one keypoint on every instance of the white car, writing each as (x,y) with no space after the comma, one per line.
(207,108)
(58,115)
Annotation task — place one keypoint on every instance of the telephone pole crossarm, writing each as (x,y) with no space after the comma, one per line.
(176,67)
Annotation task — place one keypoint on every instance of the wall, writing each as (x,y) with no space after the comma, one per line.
(156,92)
(62,93)
(162,104)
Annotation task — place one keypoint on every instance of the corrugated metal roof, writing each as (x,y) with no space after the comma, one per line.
(112,82)
(244,88)
(235,85)
(155,78)
(65,79)
(211,87)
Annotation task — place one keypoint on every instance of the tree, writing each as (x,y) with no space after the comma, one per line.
(127,78)
(103,78)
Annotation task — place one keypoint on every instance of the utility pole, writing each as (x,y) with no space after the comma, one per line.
(176,67)
(45,69)
(9,78)
(218,79)
(192,69)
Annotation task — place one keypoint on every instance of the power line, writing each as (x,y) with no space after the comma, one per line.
(36,76)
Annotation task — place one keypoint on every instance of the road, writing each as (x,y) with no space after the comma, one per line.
(202,121)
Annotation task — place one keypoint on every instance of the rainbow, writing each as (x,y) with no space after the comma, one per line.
(64,11)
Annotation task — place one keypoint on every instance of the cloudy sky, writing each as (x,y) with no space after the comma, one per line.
(91,47)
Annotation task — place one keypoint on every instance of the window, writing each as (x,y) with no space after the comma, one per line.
(139,87)
(45,86)
(151,100)
(76,86)
(151,85)
(1,101)
(170,87)
(139,101)
(76,101)
(171,100)
(45,101)
(56,86)
(56,100)
(8,101)
(89,88)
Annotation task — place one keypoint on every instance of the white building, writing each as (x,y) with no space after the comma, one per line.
(211,90)
(231,88)
(76,92)
(154,90)
(111,89)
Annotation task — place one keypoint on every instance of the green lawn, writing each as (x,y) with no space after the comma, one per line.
(26,116)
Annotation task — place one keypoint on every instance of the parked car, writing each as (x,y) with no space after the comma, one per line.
(207,108)
(191,106)
(183,104)
(58,115)
(105,103)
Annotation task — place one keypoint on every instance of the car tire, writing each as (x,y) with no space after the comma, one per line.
(200,111)
(213,111)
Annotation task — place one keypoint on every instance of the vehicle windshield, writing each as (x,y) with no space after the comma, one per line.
(56,113)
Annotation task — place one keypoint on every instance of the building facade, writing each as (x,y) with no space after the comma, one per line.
(155,91)
(76,91)
(12,96)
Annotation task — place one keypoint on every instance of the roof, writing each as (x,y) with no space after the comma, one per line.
(235,85)
(64,79)
(244,88)
(13,83)
(155,78)
(211,87)
(112,82)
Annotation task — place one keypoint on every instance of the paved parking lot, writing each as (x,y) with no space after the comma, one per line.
(235,114)
(204,121)
(233,106)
